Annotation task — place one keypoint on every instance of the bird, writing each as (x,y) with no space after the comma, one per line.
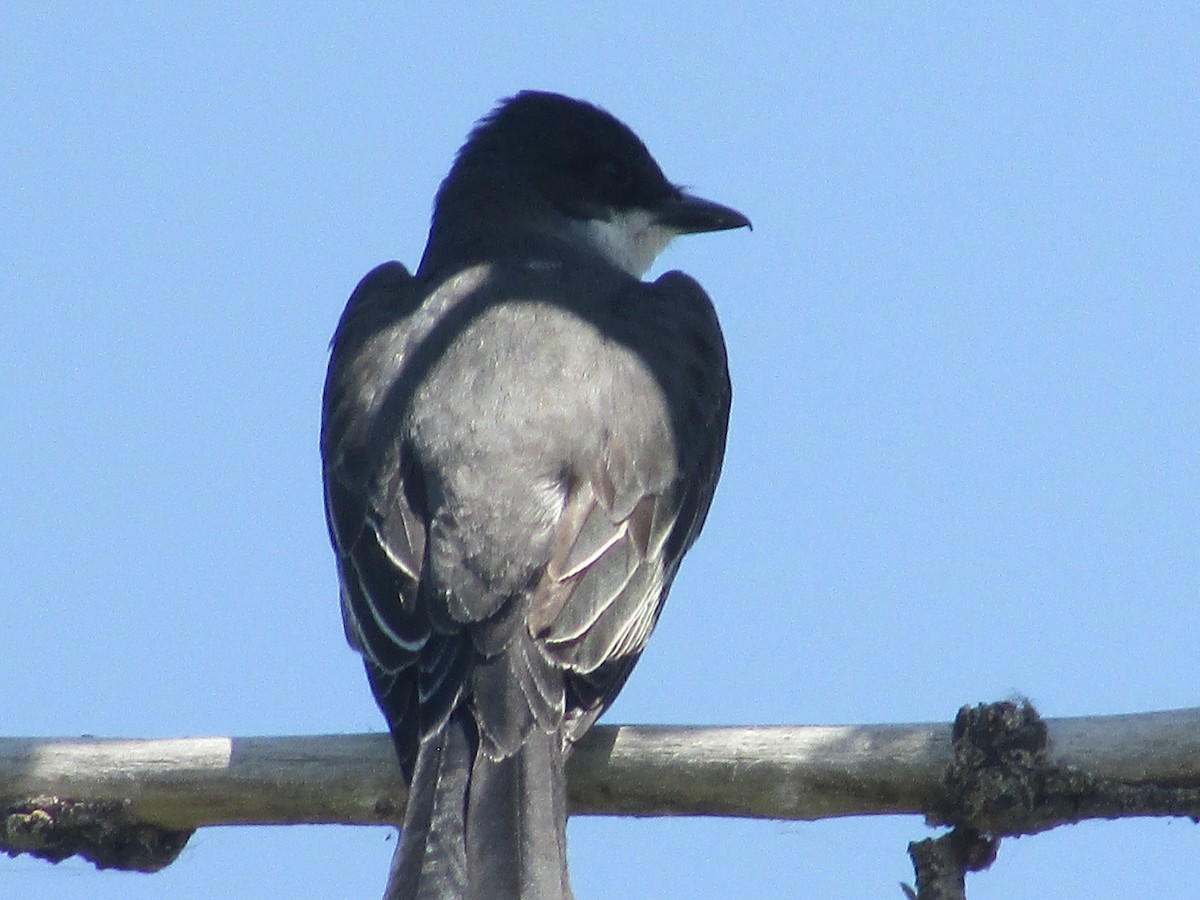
(519,442)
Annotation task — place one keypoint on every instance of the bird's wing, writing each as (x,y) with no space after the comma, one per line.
(627,524)
(378,531)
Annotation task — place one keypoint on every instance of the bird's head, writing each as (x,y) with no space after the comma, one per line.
(552,162)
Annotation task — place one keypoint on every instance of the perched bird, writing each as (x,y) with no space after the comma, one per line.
(519,444)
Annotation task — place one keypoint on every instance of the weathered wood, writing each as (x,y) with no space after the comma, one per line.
(801,772)
(194,782)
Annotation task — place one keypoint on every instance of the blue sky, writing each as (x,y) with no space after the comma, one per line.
(965,344)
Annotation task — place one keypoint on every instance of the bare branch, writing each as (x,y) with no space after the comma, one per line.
(809,772)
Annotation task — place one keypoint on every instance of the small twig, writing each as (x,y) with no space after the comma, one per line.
(941,864)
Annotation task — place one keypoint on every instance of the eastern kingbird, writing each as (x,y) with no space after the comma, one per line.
(519,444)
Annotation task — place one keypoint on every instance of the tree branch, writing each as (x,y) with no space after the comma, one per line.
(1144,765)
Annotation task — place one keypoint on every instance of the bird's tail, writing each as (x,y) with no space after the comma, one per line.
(482,829)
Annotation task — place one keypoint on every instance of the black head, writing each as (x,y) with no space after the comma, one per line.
(577,156)
(582,159)
(541,157)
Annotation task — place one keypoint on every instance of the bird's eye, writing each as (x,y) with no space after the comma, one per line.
(614,178)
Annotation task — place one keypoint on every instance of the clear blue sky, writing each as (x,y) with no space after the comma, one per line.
(965,342)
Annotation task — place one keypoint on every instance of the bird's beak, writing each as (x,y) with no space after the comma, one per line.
(685,214)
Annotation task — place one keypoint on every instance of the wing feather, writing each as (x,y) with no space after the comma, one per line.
(626,525)
(378,536)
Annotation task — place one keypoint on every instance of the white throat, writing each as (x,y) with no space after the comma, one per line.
(631,240)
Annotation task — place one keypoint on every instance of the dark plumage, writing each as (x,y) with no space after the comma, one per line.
(520,442)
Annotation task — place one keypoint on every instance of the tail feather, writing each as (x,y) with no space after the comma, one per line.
(483,829)
(516,818)
(430,862)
